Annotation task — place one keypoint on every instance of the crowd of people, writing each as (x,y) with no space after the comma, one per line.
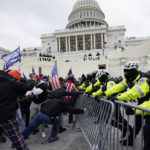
(26,104)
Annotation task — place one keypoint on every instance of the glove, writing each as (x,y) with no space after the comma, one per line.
(129,111)
(89,94)
(98,98)
(113,98)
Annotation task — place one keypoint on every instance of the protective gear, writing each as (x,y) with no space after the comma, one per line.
(89,76)
(131,70)
(102,75)
(82,87)
(131,65)
(130,74)
(146,105)
(139,90)
(104,86)
(94,74)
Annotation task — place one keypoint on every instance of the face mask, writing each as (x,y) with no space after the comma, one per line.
(103,78)
(130,74)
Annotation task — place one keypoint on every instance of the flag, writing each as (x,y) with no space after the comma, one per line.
(33,71)
(12,58)
(4,67)
(71,87)
(54,78)
(24,76)
(69,73)
(19,67)
(81,19)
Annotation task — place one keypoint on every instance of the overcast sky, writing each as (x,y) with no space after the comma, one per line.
(23,21)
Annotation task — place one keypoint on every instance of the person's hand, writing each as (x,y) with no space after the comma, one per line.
(84,109)
(113,98)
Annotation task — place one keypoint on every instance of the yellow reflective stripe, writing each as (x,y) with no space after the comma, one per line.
(140,91)
(123,84)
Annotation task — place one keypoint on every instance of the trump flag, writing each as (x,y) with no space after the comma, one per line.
(12,58)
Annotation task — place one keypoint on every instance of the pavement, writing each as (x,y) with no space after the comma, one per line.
(71,139)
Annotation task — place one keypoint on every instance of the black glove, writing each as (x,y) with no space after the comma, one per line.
(129,111)
(113,98)
(88,94)
(99,97)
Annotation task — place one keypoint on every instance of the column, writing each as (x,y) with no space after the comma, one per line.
(90,24)
(69,42)
(94,41)
(83,42)
(102,42)
(59,44)
(76,38)
(91,42)
(105,39)
(66,44)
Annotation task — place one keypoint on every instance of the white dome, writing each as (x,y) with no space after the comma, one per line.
(89,11)
(86,3)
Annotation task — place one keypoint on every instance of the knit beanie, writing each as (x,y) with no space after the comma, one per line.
(16,74)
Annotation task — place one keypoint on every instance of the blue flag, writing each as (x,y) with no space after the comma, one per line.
(33,71)
(24,76)
(69,73)
(4,67)
(12,58)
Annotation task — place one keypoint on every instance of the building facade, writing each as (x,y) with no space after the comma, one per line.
(86,43)
(86,30)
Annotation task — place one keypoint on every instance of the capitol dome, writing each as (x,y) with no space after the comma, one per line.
(86,13)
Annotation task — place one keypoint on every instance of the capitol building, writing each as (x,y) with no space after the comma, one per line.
(86,43)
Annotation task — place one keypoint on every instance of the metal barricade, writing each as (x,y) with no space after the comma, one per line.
(96,122)
(127,128)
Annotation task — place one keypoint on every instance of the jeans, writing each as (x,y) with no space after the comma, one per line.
(39,119)
(20,119)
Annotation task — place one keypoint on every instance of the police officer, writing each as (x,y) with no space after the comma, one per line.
(138,83)
(105,82)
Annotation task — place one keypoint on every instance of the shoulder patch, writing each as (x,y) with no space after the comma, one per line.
(111,83)
(142,80)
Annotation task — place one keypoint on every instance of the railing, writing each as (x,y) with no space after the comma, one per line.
(113,125)
(96,122)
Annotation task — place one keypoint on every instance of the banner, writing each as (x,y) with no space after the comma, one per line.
(11,58)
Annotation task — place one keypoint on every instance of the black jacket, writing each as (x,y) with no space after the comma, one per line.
(42,97)
(54,107)
(10,89)
(56,104)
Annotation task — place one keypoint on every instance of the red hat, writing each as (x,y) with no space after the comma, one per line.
(15,73)
(38,78)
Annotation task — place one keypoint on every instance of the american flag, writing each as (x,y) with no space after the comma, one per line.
(81,19)
(69,73)
(71,87)
(54,78)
